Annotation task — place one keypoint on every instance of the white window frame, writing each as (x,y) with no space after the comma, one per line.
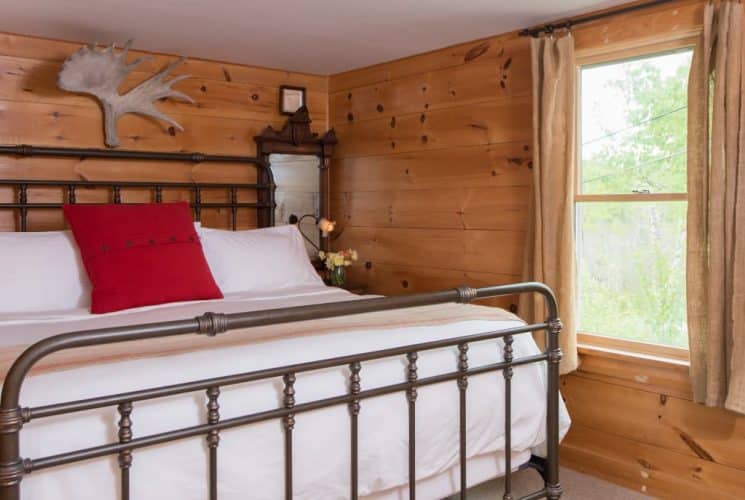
(596,341)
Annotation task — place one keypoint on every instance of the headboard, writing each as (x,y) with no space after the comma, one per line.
(29,195)
(228,201)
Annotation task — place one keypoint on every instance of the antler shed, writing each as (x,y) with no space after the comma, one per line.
(100,72)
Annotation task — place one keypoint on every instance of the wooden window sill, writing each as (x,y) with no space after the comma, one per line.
(617,347)
(621,355)
(655,373)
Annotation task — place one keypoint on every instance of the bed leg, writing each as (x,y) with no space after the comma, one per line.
(538,464)
(553,488)
(12,467)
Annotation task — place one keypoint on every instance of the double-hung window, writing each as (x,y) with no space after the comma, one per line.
(630,202)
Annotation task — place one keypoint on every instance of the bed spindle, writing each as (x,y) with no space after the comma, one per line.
(213,438)
(507,373)
(411,396)
(117,193)
(71,197)
(125,436)
(233,208)
(354,411)
(198,204)
(23,200)
(289,422)
(158,194)
(462,386)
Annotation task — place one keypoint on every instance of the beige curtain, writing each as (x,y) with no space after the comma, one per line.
(716,210)
(550,240)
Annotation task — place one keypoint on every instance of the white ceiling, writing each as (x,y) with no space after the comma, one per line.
(316,36)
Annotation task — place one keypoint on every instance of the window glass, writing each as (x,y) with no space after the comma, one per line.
(631,199)
(633,131)
(631,264)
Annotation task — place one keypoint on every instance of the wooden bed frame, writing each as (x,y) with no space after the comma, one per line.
(13,415)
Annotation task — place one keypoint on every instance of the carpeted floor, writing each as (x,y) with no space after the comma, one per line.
(576,486)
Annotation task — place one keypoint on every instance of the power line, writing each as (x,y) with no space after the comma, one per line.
(630,127)
(656,160)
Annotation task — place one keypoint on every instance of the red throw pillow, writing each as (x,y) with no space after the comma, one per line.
(140,255)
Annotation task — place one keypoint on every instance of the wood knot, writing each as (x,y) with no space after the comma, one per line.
(379,107)
(476,52)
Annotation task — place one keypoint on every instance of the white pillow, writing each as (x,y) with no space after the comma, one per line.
(41,271)
(259,259)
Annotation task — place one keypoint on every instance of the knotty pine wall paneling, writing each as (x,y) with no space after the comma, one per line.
(431,185)
(431,175)
(233,103)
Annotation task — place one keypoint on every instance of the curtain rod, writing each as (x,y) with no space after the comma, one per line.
(569,23)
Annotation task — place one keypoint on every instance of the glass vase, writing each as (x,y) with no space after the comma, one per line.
(337,277)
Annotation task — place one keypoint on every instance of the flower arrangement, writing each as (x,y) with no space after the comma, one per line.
(336,263)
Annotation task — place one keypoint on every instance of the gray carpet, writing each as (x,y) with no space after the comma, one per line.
(576,486)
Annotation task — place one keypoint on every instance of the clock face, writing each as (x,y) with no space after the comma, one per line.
(292,99)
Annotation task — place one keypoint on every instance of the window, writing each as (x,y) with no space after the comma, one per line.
(631,198)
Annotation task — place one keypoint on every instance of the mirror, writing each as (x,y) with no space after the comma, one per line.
(298,192)
(298,160)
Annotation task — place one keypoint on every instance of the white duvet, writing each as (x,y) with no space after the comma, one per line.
(250,459)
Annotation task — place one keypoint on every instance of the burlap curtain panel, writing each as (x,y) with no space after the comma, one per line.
(550,239)
(716,210)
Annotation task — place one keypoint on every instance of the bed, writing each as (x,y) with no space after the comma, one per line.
(301,391)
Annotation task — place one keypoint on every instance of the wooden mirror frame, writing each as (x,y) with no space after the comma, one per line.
(296,138)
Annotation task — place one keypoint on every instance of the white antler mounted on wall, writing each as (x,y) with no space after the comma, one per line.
(100,72)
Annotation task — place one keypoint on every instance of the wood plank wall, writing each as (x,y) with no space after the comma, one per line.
(233,103)
(430,179)
(430,184)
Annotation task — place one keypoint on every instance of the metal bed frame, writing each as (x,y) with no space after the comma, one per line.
(13,415)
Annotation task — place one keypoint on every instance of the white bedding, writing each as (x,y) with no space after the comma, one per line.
(250,459)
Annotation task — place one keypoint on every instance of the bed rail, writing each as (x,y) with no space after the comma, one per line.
(265,189)
(13,416)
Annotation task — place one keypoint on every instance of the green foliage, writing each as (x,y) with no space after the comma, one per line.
(631,255)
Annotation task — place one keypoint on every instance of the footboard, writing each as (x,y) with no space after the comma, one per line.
(13,467)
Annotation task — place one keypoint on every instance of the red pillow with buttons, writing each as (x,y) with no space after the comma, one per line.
(140,255)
